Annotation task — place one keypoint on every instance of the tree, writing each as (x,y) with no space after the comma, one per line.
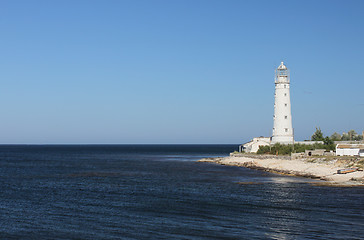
(352,134)
(335,136)
(329,144)
(358,137)
(328,141)
(318,135)
(345,137)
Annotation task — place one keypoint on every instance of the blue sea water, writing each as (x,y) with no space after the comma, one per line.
(161,192)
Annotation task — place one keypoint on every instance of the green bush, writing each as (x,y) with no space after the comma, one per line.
(287,149)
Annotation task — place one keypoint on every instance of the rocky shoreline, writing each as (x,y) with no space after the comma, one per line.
(325,170)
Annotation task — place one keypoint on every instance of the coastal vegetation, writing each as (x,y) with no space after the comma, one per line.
(349,136)
(323,142)
(287,149)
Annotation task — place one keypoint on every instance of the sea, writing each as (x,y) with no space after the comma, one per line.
(162,192)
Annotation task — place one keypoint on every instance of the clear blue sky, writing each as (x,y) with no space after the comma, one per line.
(191,71)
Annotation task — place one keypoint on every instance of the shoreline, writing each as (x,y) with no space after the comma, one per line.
(314,168)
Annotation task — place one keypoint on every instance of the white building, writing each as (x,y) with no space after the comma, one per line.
(350,150)
(253,145)
(282,127)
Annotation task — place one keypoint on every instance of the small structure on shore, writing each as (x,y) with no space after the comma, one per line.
(347,170)
(253,145)
(315,152)
(350,150)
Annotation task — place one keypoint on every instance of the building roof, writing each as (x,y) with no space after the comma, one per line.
(360,146)
(282,67)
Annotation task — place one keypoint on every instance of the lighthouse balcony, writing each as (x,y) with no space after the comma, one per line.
(280,80)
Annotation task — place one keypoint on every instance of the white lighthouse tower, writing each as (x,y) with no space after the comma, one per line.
(282,127)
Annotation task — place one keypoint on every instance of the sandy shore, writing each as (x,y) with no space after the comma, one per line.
(324,170)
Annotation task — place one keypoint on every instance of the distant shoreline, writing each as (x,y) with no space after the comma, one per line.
(315,168)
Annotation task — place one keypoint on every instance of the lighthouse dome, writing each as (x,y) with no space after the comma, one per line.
(282,67)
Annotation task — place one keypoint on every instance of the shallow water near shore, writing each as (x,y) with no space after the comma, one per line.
(161,192)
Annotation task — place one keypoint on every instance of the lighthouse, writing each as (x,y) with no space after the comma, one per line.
(282,127)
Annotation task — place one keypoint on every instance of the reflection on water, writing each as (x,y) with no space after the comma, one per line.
(284,219)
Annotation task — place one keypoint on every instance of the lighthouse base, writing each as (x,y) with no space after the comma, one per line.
(282,139)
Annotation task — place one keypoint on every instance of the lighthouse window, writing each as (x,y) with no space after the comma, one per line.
(285,117)
(286,129)
(284,85)
(285,104)
(285,94)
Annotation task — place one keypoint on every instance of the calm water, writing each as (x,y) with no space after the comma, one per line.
(160,192)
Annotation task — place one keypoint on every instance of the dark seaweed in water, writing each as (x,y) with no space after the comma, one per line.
(160,192)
